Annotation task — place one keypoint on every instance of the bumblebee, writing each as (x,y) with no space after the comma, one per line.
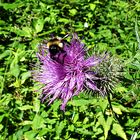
(56,47)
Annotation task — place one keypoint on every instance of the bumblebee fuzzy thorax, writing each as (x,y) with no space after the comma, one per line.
(55,42)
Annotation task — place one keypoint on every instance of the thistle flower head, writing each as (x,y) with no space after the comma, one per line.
(72,74)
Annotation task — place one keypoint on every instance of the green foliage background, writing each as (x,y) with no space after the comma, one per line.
(112,26)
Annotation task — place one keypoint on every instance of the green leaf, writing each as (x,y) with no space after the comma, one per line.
(55,106)
(6,100)
(25,107)
(30,135)
(1,118)
(82,102)
(38,122)
(89,15)
(105,123)
(44,131)
(102,46)
(86,119)
(36,104)
(60,127)
(137,56)
(118,107)
(16,83)
(1,84)
(84,131)
(51,121)
(38,24)
(7,6)
(137,105)
(2,22)
(1,126)
(14,69)
(107,126)
(117,110)
(128,75)
(92,34)
(92,6)
(26,122)
(137,64)
(121,89)
(136,111)
(34,43)
(25,76)
(19,134)
(64,20)
(71,127)
(76,117)
(73,12)
(25,31)
(5,54)
(103,104)
(117,129)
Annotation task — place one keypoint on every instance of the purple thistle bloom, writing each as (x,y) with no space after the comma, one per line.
(67,79)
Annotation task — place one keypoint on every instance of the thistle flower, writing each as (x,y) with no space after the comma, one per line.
(75,74)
